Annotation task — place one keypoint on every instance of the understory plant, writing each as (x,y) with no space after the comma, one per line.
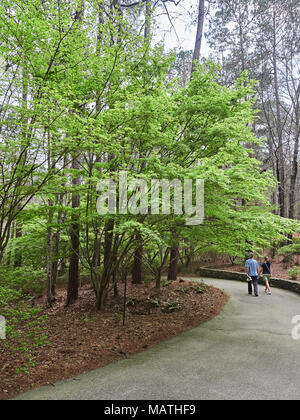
(25,325)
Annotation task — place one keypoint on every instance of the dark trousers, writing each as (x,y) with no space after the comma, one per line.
(255,285)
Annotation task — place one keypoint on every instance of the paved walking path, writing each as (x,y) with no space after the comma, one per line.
(247,352)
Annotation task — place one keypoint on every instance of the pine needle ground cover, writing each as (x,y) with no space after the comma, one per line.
(81,339)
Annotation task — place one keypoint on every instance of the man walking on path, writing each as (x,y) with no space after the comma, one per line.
(252,271)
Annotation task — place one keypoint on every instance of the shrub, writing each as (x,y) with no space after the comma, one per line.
(170,307)
(23,279)
(291,249)
(25,325)
(293,272)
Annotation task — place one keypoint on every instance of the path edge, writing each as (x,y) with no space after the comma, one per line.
(290,285)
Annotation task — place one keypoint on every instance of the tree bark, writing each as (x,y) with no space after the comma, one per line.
(294,175)
(161,267)
(18,253)
(147,29)
(73,282)
(280,152)
(107,262)
(295,165)
(56,236)
(49,256)
(56,247)
(173,267)
(96,250)
(198,42)
(56,250)
(137,265)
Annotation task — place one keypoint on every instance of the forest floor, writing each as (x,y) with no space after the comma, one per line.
(81,339)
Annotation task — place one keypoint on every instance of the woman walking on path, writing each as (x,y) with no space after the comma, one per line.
(266,274)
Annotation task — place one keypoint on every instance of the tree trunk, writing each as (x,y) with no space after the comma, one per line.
(108,262)
(9,254)
(73,282)
(56,242)
(137,266)
(292,197)
(116,16)
(147,29)
(198,42)
(100,27)
(96,250)
(187,260)
(173,267)
(56,236)
(280,156)
(158,278)
(295,166)
(49,256)
(18,253)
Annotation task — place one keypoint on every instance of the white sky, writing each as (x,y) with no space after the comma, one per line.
(183,34)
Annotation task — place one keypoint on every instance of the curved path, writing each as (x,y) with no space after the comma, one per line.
(247,352)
